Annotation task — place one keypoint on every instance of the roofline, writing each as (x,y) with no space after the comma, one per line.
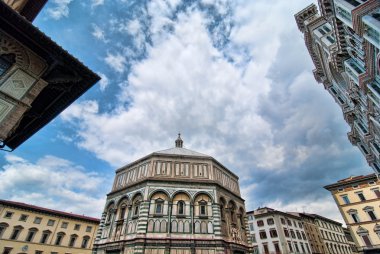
(273,211)
(357,180)
(39,209)
(176,156)
(321,217)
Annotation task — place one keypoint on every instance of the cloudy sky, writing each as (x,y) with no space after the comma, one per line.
(234,77)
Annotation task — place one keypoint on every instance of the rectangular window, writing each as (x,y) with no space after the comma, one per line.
(64,224)
(38,252)
(251,228)
(50,222)
(290,246)
(77,227)
(88,229)
(15,234)
(377,192)
(44,237)
(7,250)
(2,229)
(253,238)
(303,248)
(8,215)
(277,248)
(260,223)
(159,208)
(58,240)
(30,236)
(23,217)
(72,241)
(345,198)
(296,246)
(263,235)
(203,211)
(37,220)
(286,232)
(84,242)
(289,222)
(361,196)
(372,215)
(273,233)
(292,234)
(270,221)
(355,217)
(266,250)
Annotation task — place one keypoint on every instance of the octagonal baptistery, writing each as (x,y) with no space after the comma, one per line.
(174,201)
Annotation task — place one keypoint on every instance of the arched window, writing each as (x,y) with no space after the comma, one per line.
(32,232)
(6,62)
(85,241)
(181,207)
(3,227)
(16,232)
(110,212)
(45,236)
(136,207)
(159,206)
(123,208)
(73,239)
(59,238)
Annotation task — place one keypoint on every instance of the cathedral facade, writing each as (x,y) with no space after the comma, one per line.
(174,201)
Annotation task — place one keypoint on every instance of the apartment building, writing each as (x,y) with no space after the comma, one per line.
(32,229)
(358,200)
(273,231)
(332,235)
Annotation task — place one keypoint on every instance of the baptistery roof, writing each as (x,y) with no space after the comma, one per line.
(181,151)
(176,164)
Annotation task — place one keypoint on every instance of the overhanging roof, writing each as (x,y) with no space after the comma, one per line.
(67,77)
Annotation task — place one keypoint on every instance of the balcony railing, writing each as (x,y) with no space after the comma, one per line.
(353,70)
(372,30)
(374,93)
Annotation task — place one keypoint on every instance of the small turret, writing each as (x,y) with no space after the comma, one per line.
(179,141)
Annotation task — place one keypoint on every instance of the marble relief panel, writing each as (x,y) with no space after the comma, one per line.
(5,108)
(18,84)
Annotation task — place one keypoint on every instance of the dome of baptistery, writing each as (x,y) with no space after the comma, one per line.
(174,201)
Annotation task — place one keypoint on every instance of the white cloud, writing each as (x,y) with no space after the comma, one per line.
(104,81)
(99,33)
(253,104)
(54,183)
(116,61)
(61,9)
(95,3)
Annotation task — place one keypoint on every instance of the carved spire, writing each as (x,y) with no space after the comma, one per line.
(179,141)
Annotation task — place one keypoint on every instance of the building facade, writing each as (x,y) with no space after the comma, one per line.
(350,240)
(358,200)
(174,201)
(38,79)
(312,234)
(31,229)
(343,42)
(273,231)
(332,235)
